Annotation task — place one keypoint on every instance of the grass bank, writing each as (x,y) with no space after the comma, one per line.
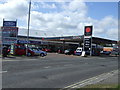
(101,87)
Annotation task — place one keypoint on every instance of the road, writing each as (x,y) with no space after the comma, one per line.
(53,71)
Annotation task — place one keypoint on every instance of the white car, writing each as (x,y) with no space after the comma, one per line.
(78,51)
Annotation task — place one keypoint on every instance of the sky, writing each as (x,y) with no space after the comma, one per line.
(52,19)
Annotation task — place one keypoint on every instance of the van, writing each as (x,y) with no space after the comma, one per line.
(78,51)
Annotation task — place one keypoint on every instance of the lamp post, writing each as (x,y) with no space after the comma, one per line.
(28,27)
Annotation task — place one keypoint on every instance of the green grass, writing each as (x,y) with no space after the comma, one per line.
(101,87)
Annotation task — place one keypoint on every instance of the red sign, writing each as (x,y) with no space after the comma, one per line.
(88,29)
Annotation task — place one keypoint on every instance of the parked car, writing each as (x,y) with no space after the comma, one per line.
(38,52)
(78,51)
(105,52)
(115,52)
(8,51)
(69,51)
(60,51)
(46,49)
(21,50)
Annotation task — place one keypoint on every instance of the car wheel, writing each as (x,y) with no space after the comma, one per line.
(29,54)
(42,55)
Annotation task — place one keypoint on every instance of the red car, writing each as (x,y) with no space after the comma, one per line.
(21,50)
(8,51)
(47,50)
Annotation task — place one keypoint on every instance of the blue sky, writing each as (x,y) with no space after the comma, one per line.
(99,10)
(63,18)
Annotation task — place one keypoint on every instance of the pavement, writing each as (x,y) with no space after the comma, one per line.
(113,79)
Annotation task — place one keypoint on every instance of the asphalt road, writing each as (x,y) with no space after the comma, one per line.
(53,71)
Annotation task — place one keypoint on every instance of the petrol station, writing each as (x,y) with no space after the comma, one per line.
(10,37)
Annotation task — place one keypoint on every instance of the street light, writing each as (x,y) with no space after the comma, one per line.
(28,27)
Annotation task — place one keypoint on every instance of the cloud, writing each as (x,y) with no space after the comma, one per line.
(112,33)
(63,18)
(14,9)
(48,6)
(107,28)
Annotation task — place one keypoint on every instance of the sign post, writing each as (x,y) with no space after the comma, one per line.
(88,39)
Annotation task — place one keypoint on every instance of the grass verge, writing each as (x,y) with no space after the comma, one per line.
(101,87)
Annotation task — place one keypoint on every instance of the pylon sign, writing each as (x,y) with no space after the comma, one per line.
(88,38)
(9,32)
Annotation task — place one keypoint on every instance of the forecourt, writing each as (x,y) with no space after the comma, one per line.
(53,71)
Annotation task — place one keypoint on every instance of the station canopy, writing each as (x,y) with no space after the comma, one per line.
(75,39)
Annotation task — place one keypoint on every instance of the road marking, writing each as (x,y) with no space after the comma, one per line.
(47,67)
(92,80)
(42,57)
(68,65)
(3,72)
(101,58)
(20,60)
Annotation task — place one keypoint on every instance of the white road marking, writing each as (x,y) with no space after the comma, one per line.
(20,60)
(92,80)
(68,65)
(101,58)
(47,67)
(3,72)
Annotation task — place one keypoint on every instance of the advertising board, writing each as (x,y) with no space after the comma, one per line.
(9,31)
(9,34)
(9,23)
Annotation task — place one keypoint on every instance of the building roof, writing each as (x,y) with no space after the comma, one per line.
(78,39)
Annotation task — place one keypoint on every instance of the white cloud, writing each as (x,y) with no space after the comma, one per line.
(107,28)
(112,33)
(44,5)
(13,9)
(108,21)
(70,20)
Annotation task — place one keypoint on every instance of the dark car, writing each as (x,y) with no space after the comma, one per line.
(60,50)
(69,51)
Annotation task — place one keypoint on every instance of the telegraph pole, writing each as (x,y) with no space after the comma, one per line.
(28,28)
